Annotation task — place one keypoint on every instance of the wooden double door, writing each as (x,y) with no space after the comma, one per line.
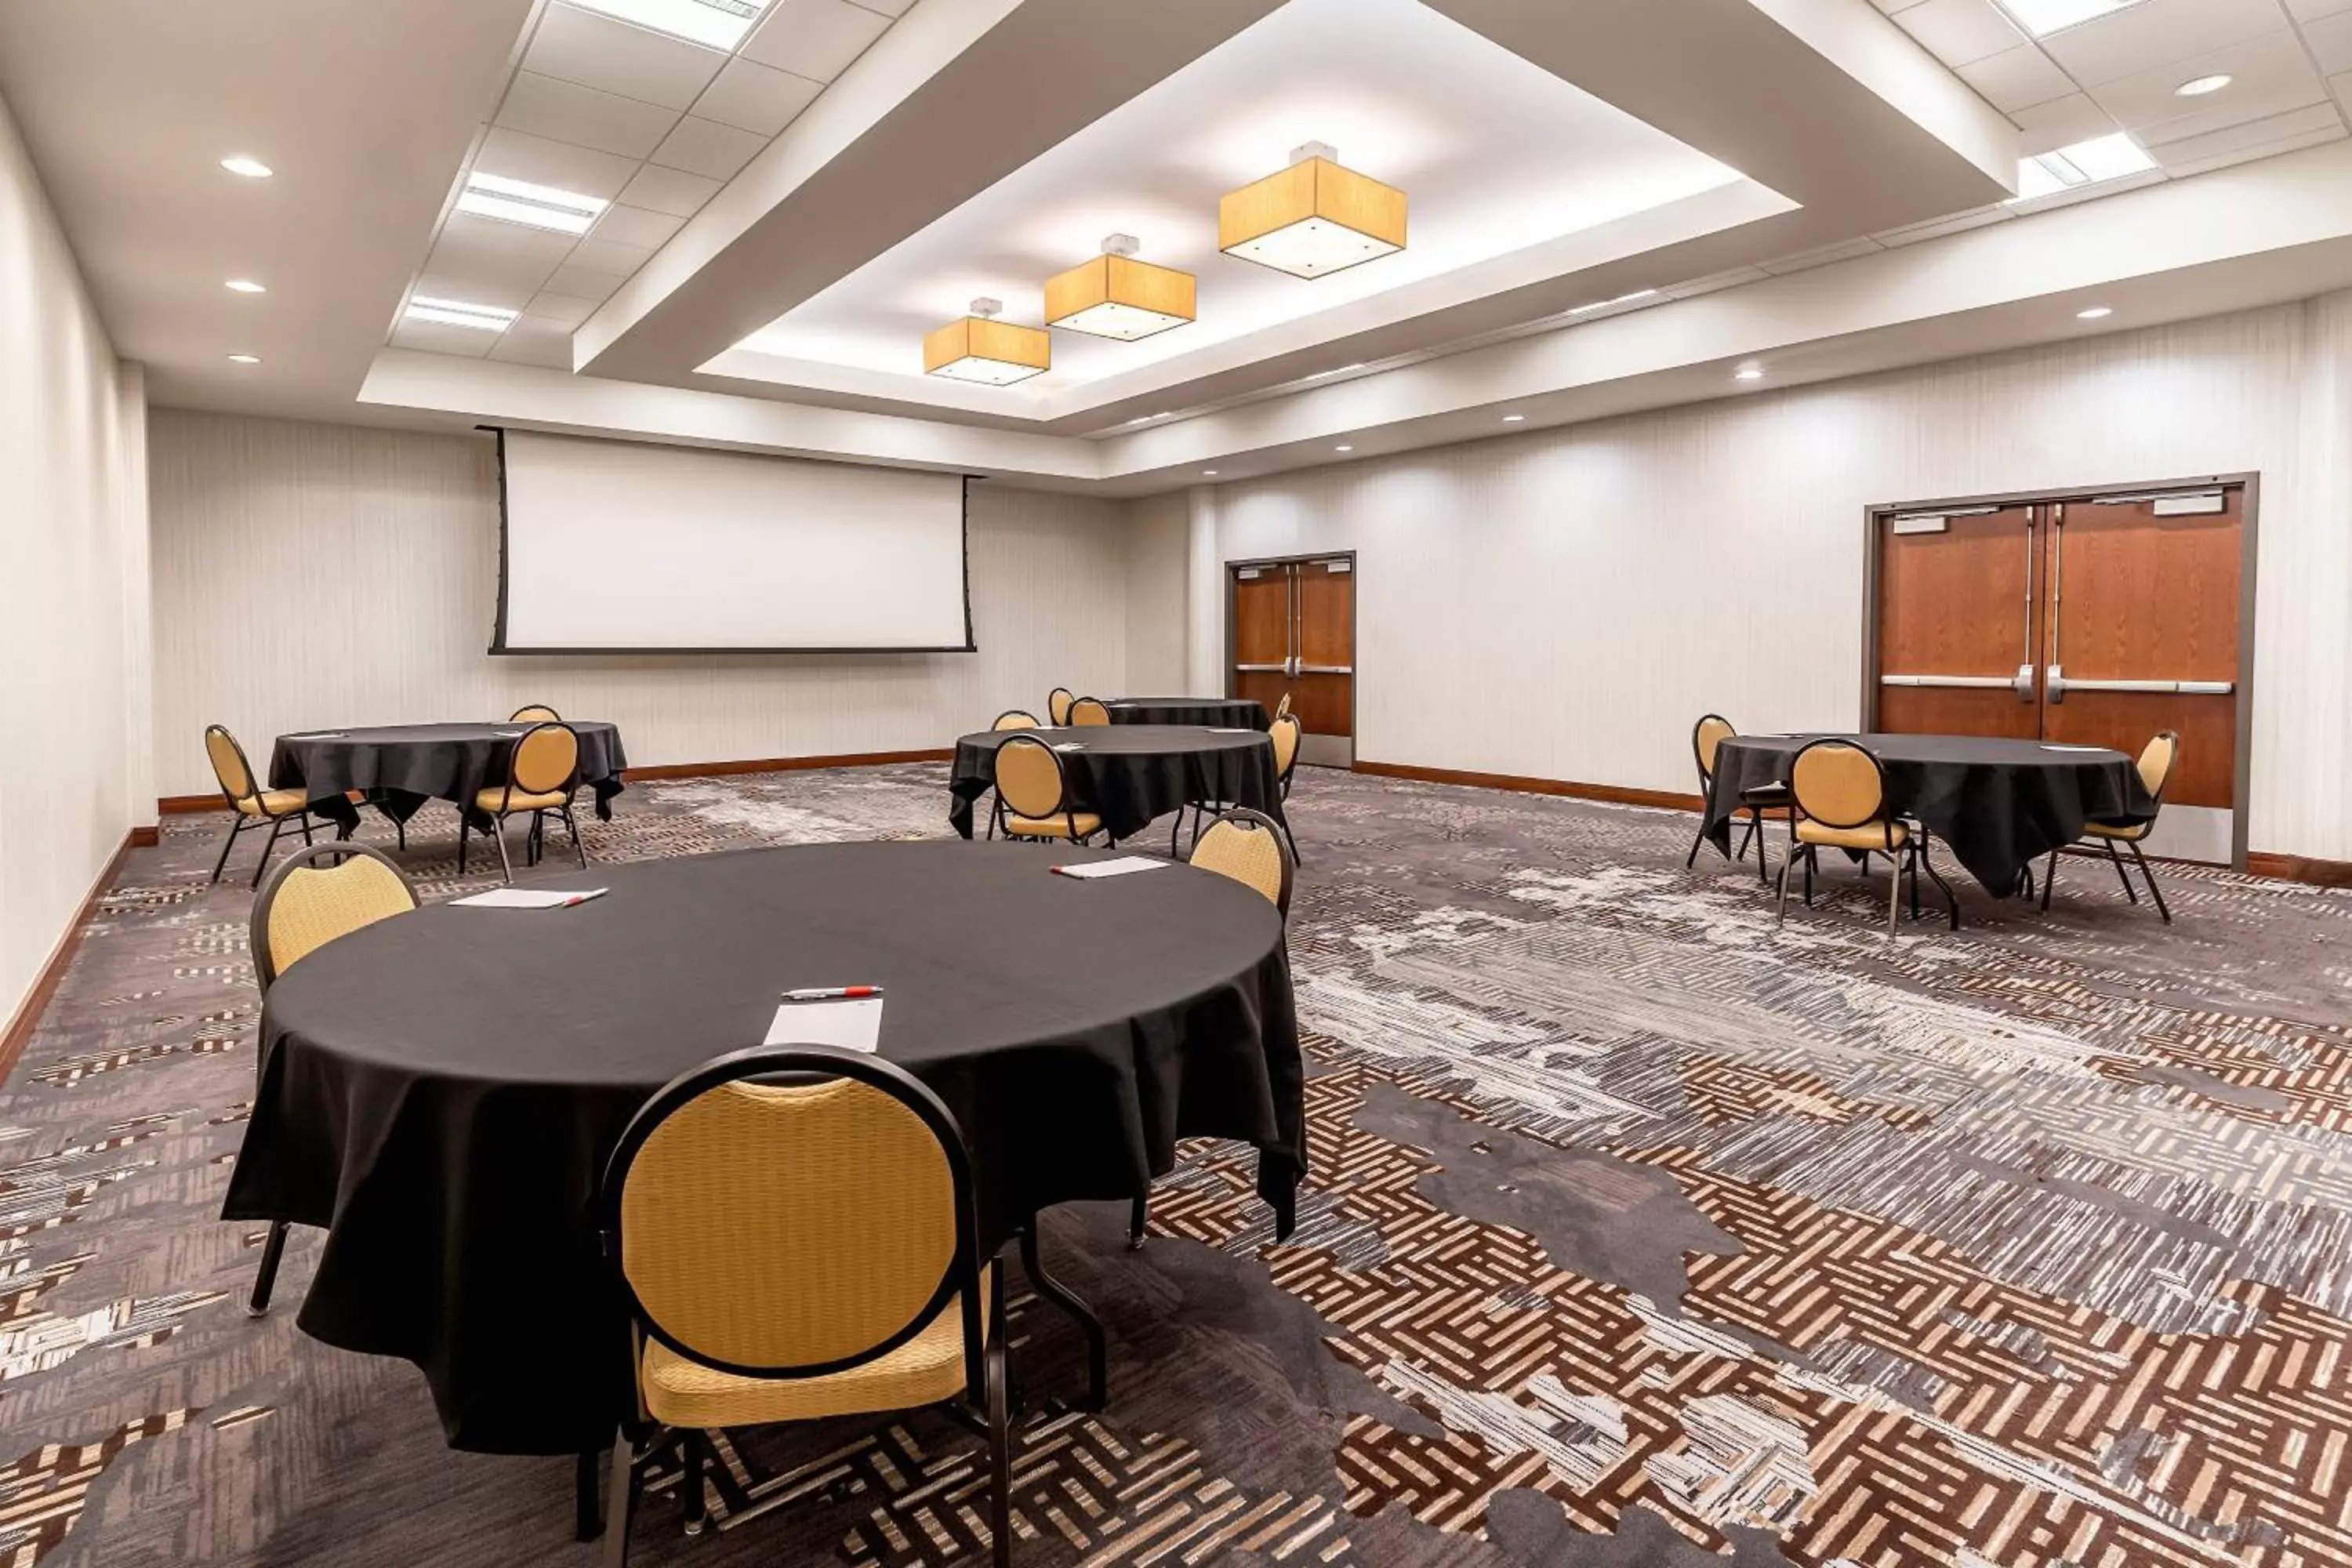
(1294,635)
(2093,620)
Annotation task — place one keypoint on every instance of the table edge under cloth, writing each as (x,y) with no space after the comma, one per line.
(293,762)
(974,774)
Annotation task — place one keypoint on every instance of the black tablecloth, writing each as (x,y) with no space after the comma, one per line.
(441,1089)
(399,767)
(1129,774)
(1998,803)
(1231,712)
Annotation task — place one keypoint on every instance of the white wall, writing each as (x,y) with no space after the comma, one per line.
(72,562)
(1156,596)
(1561,603)
(310,576)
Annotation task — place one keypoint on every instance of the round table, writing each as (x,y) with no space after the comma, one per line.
(440,1090)
(1130,774)
(1231,712)
(399,767)
(1999,805)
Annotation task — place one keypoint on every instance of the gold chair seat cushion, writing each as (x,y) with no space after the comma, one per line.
(1869,836)
(1021,826)
(926,1370)
(275,802)
(495,800)
(2129,831)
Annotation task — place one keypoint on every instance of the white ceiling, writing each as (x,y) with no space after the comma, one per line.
(1495,153)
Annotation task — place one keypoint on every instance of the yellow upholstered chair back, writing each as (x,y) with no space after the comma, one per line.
(787,1226)
(1285,735)
(1014,719)
(1709,733)
(1838,784)
(1088,710)
(1282,710)
(308,902)
(1029,777)
(545,758)
(537,713)
(229,765)
(2155,760)
(1246,846)
(1057,705)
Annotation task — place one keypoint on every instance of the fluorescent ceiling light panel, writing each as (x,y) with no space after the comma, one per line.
(2044,18)
(1605,304)
(520,201)
(721,24)
(458,313)
(251,168)
(2091,162)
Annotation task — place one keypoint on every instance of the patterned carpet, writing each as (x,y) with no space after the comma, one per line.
(1638,1235)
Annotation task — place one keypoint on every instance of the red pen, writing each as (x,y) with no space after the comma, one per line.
(834,993)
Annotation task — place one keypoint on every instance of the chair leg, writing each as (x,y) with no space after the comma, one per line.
(587,1520)
(690,1486)
(1000,1440)
(571,825)
(1813,864)
(265,1278)
(1697,838)
(623,1485)
(1138,1217)
(306,827)
(1951,898)
(1763,854)
(1893,894)
(2121,875)
(277,826)
(1788,864)
(2049,880)
(498,832)
(2153,891)
(220,865)
(463,826)
(1053,1291)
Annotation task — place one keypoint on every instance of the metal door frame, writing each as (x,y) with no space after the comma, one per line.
(1356,652)
(1875,517)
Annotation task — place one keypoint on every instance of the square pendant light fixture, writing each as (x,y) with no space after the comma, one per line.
(1312,219)
(979,348)
(1116,296)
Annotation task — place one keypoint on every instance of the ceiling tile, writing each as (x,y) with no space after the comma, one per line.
(1716,281)
(755,98)
(433,284)
(558,163)
(584,282)
(670,191)
(2259,149)
(603,52)
(2294,123)
(2309,10)
(435,337)
(1936,229)
(636,226)
(2061,123)
(534,341)
(1805,260)
(611,256)
(887,7)
(2156,32)
(2017,78)
(1960,32)
(566,111)
(487,251)
(1890,6)
(2330,39)
(815,38)
(560,310)
(2271,75)
(705,147)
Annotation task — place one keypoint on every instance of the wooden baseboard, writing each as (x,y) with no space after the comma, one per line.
(146,838)
(2300,868)
(27,1016)
(1615,795)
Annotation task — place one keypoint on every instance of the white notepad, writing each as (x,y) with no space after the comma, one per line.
(528,898)
(322,735)
(1125,865)
(1070,746)
(852,1023)
(2053,746)
(1234,731)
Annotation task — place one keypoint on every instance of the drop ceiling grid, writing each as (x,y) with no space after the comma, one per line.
(651,123)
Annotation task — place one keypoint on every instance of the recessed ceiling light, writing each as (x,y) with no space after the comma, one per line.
(2197,86)
(2091,162)
(251,168)
(1619,299)
(520,201)
(2043,17)
(1208,473)
(1749,373)
(721,24)
(1514,418)
(1312,219)
(2095,313)
(245,359)
(458,313)
(246,286)
(1343,448)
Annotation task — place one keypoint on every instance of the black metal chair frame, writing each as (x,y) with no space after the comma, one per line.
(552,716)
(2050,876)
(1755,802)
(239,821)
(640,1441)
(1060,714)
(534,841)
(265,973)
(1910,856)
(1068,808)
(1072,722)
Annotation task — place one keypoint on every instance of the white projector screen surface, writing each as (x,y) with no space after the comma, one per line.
(619,547)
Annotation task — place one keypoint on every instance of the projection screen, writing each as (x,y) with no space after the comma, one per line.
(622,547)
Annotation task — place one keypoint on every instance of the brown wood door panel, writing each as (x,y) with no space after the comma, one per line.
(2147,598)
(1326,615)
(2208,727)
(1962,601)
(1966,710)
(1326,704)
(1263,687)
(1262,616)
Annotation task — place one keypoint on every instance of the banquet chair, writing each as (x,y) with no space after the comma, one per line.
(1016,719)
(2157,760)
(794,1237)
(1057,705)
(537,713)
(1840,794)
(249,804)
(1247,845)
(1284,734)
(1032,794)
(308,902)
(1088,710)
(1758,806)
(1282,708)
(542,772)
